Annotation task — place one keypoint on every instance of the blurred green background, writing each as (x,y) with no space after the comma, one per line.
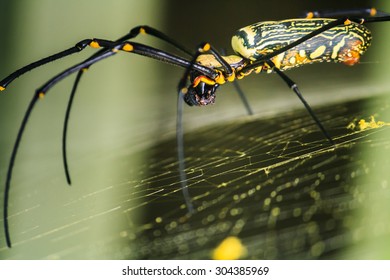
(127,103)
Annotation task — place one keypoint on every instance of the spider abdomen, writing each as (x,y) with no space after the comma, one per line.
(342,44)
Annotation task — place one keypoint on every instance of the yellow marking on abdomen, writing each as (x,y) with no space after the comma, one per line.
(318,52)
(337,48)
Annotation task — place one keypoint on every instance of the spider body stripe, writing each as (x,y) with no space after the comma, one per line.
(340,44)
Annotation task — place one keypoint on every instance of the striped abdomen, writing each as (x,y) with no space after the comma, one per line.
(344,43)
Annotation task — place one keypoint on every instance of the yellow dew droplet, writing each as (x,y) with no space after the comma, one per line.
(297,212)
(230,248)
(363,124)
(351,126)
(371,124)
(275,211)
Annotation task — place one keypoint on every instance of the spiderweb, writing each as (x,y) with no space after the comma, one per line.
(275,183)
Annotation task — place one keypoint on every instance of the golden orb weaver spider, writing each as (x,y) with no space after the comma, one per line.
(272,46)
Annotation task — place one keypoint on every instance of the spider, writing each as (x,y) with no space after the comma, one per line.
(264,47)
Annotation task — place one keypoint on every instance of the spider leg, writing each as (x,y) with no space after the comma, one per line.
(65,127)
(242,95)
(112,49)
(356,12)
(182,91)
(22,127)
(134,32)
(180,154)
(292,85)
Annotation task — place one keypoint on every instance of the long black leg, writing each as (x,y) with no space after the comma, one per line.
(130,47)
(82,44)
(11,165)
(357,12)
(376,19)
(153,53)
(134,32)
(144,29)
(112,49)
(241,93)
(76,48)
(65,128)
(38,94)
(180,154)
(292,85)
(182,91)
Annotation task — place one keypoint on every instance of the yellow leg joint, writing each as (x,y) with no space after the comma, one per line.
(128,47)
(41,95)
(205,48)
(2,88)
(94,45)
(310,15)
(347,22)
(232,77)
(220,79)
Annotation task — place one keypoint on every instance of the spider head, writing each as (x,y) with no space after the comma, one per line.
(200,95)
(201,91)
